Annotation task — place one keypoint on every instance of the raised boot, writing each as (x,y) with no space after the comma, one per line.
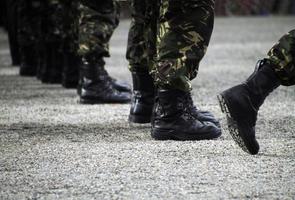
(96,88)
(242,102)
(173,119)
(142,98)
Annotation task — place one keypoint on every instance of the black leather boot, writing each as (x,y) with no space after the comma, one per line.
(97,88)
(173,119)
(118,85)
(241,104)
(52,68)
(41,61)
(70,74)
(29,62)
(142,98)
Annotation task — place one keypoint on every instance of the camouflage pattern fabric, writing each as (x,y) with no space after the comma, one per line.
(282,57)
(137,46)
(183,29)
(70,26)
(29,21)
(52,24)
(61,20)
(142,35)
(97,23)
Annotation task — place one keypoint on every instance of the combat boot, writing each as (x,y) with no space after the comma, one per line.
(70,74)
(56,66)
(242,102)
(52,67)
(142,98)
(29,62)
(173,119)
(99,64)
(97,88)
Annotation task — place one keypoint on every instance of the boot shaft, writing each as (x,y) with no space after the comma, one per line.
(143,81)
(171,103)
(92,69)
(142,98)
(262,82)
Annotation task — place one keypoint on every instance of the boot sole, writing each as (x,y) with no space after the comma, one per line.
(232,124)
(139,119)
(92,102)
(162,134)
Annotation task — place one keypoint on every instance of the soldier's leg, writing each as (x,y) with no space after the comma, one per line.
(137,55)
(242,102)
(53,35)
(184,31)
(12,26)
(28,21)
(97,23)
(71,60)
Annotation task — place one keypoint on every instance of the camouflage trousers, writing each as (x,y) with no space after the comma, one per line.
(60,24)
(98,21)
(66,21)
(282,57)
(29,15)
(169,38)
(50,21)
(12,27)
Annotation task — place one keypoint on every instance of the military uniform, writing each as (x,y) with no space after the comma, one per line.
(167,40)
(282,58)
(69,46)
(97,23)
(51,47)
(29,15)
(183,30)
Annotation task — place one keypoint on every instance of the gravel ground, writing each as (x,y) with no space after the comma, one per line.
(53,148)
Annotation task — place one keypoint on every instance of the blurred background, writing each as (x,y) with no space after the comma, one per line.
(243,7)
(224,8)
